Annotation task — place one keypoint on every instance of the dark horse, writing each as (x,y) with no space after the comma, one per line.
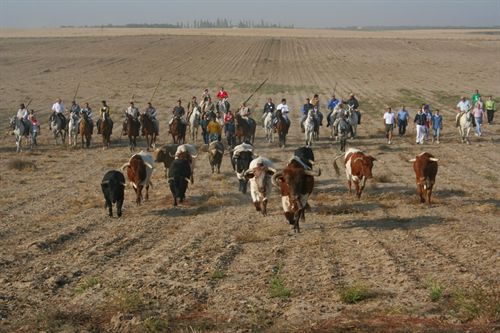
(106,130)
(178,130)
(133,127)
(85,130)
(245,129)
(282,127)
(149,131)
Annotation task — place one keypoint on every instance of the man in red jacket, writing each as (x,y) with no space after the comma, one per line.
(222,94)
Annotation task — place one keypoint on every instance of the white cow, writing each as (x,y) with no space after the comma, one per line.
(309,128)
(268,126)
(259,173)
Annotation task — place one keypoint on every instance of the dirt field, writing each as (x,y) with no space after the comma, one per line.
(378,264)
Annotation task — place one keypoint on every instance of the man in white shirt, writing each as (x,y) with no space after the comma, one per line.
(462,107)
(389,119)
(22,117)
(58,110)
(134,113)
(283,108)
(151,113)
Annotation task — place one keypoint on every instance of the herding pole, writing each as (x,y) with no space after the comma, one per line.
(154,92)
(255,91)
(76,91)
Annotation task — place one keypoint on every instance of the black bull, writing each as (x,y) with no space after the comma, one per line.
(113,188)
(241,163)
(179,174)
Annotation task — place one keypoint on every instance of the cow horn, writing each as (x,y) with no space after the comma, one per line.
(271,169)
(194,156)
(412,160)
(310,173)
(275,177)
(123,184)
(105,182)
(433,159)
(125,165)
(171,154)
(312,162)
(220,151)
(148,165)
(187,179)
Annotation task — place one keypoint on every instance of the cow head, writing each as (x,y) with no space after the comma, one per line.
(306,155)
(261,175)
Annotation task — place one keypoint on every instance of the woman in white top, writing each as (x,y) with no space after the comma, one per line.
(283,108)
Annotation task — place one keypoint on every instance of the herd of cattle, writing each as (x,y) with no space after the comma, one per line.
(295,181)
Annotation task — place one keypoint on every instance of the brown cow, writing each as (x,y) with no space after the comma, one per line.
(426,167)
(358,168)
(139,171)
(296,184)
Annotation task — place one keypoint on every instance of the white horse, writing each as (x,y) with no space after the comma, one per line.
(20,132)
(194,123)
(464,126)
(352,119)
(268,126)
(309,128)
(74,121)
(56,125)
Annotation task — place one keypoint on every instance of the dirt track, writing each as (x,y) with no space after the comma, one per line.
(207,265)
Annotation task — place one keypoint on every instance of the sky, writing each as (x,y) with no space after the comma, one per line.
(300,13)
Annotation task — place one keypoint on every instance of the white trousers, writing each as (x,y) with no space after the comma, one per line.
(420,134)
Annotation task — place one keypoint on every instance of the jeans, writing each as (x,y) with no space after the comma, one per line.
(402,127)
(479,122)
(437,133)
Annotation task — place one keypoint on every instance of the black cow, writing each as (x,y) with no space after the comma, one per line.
(113,187)
(215,153)
(165,154)
(241,163)
(179,175)
(306,155)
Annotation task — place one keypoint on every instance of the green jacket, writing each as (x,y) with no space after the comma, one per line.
(475,98)
(490,105)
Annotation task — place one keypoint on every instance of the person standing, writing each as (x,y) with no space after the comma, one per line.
(389,119)
(475,97)
(204,125)
(214,130)
(478,116)
(419,121)
(403,117)
(490,109)
(428,121)
(437,126)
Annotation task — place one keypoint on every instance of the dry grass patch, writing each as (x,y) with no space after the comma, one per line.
(383,178)
(355,293)
(249,236)
(21,165)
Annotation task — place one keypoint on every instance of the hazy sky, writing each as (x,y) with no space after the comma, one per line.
(301,13)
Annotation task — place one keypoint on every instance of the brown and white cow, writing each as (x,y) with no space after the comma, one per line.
(296,183)
(139,171)
(425,167)
(358,168)
(259,172)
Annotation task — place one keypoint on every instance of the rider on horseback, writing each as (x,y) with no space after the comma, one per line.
(283,108)
(178,112)
(104,112)
(331,106)
(462,107)
(354,105)
(22,116)
(305,111)
(150,112)
(58,111)
(133,112)
(87,112)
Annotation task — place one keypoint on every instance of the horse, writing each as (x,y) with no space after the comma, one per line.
(20,131)
(268,126)
(73,129)
(194,123)
(352,119)
(85,130)
(223,106)
(106,130)
(178,130)
(245,129)
(58,126)
(343,129)
(282,127)
(464,126)
(149,130)
(309,126)
(133,127)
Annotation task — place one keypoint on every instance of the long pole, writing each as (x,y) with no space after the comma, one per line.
(29,102)
(76,91)
(154,92)
(255,90)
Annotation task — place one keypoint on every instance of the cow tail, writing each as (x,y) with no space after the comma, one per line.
(335,166)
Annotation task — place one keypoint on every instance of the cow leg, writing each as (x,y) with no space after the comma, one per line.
(420,191)
(138,195)
(147,192)
(257,206)
(109,206)
(349,185)
(429,193)
(264,207)
(358,192)
(119,205)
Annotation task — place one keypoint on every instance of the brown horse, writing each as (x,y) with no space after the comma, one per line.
(133,127)
(149,131)
(106,130)
(86,130)
(245,130)
(178,130)
(282,127)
